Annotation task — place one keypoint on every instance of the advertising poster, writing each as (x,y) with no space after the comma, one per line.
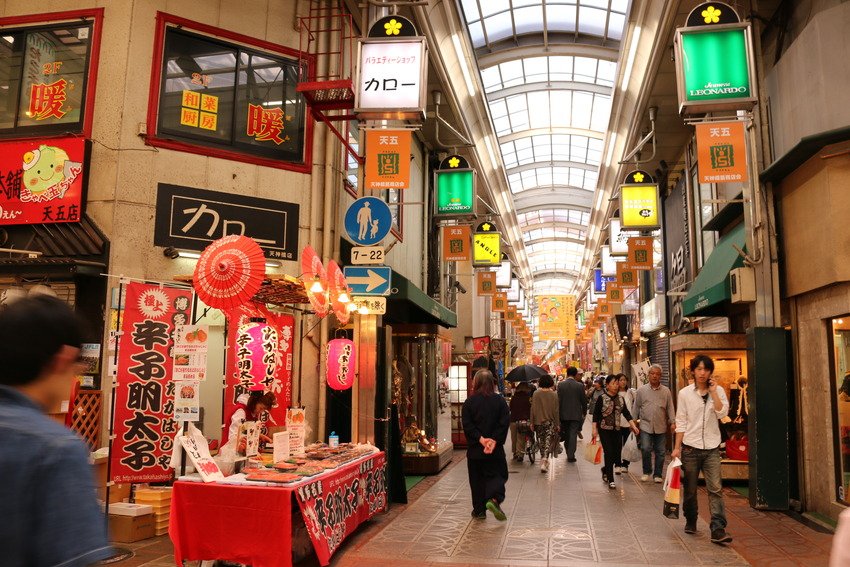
(187,400)
(190,352)
(333,507)
(42,181)
(557,317)
(239,380)
(144,424)
(296,426)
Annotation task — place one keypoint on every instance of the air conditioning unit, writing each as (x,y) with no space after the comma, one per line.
(742,282)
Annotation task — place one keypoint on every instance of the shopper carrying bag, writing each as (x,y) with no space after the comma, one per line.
(593,452)
(673,490)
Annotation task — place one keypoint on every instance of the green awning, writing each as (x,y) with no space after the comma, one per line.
(409,304)
(711,287)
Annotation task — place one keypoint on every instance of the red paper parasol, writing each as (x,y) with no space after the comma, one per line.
(229,272)
(337,284)
(312,270)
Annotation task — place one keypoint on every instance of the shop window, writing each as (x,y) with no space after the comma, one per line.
(224,99)
(44,76)
(840,333)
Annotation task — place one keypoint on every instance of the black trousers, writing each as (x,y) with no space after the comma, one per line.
(612,443)
(487,478)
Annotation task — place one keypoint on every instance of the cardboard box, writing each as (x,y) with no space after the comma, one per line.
(127,529)
(152,494)
(127,509)
(117,492)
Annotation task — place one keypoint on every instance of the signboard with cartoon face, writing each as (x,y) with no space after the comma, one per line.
(42,181)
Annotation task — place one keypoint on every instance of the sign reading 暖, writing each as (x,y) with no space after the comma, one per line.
(42,181)
(721,152)
(192,218)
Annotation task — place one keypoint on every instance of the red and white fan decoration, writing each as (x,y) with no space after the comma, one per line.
(338,286)
(313,274)
(229,272)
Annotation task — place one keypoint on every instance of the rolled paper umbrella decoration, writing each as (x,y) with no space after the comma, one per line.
(342,361)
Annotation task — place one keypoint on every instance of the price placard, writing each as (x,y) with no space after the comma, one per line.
(367,255)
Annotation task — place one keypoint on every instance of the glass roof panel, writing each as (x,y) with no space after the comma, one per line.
(560,17)
(592,20)
(499,26)
(553,215)
(547,176)
(528,19)
(549,69)
(574,109)
(554,232)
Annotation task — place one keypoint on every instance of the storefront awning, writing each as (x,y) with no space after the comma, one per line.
(409,304)
(711,287)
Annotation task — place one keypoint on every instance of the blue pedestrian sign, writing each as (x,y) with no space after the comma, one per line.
(368,220)
(368,280)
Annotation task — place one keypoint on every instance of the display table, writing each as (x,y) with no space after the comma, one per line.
(253,524)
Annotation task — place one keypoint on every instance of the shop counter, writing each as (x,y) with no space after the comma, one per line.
(254,524)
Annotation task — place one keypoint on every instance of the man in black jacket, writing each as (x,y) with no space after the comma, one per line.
(573,408)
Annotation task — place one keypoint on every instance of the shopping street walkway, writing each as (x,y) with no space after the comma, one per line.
(566,517)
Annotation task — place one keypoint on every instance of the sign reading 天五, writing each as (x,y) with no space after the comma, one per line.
(387,159)
(714,61)
(721,152)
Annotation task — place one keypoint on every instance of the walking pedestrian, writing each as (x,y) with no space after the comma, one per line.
(606,426)
(486,420)
(520,412)
(545,419)
(47,495)
(595,392)
(654,412)
(572,409)
(628,395)
(701,406)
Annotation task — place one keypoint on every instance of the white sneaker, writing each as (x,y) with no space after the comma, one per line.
(644,478)
(544,466)
(658,480)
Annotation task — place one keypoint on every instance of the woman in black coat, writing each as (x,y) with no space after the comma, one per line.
(486,419)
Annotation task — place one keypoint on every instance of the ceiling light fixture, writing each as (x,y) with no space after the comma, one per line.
(630,61)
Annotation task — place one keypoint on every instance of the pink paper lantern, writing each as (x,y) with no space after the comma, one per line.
(342,362)
(256,356)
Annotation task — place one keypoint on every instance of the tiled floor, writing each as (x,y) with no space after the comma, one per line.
(566,517)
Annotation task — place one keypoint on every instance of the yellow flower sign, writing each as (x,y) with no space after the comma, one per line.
(454,162)
(711,15)
(393,27)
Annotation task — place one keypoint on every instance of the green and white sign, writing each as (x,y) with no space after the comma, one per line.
(714,62)
(455,192)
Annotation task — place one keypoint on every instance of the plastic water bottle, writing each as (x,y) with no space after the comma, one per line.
(333,440)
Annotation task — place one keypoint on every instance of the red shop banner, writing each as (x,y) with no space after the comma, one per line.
(259,353)
(144,425)
(335,505)
(42,181)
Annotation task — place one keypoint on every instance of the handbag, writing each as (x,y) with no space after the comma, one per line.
(631,452)
(593,452)
(672,490)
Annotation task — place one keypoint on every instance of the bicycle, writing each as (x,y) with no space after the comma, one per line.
(531,446)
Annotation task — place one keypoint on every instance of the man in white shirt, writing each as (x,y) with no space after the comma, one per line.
(701,406)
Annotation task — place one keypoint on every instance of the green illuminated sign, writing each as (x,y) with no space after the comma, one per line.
(455,191)
(714,68)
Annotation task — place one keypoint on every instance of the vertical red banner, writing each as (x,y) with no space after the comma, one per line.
(242,373)
(144,425)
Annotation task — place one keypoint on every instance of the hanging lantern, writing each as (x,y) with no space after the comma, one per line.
(256,356)
(342,361)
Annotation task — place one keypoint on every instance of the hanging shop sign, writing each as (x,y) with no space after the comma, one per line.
(368,220)
(486,245)
(503,273)
(618,238)
(714,61)
(192,218)
(614,295)
(334,506)
(240,378)
(500,302)
(392,72)
(608,262)
(387,159)
(342,362)
(600,282)
(626,278)
(481,345)
(557,316)
(722,152)
(454,184)
(485,282)
(144,424)
(510,313)
(43,181)
(640,254)
(456,243)
(639,203)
